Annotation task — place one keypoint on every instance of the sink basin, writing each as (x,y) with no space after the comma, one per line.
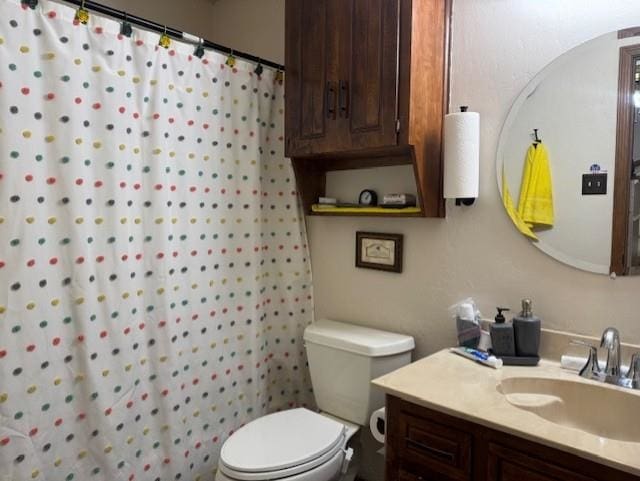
(596,409)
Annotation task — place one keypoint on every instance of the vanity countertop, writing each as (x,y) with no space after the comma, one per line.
(453,385)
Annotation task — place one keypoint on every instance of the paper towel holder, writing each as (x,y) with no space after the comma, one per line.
(467,201)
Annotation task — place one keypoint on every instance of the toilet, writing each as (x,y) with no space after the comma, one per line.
(303,445)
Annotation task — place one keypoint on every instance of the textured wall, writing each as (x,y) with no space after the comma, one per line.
(193,16)
(498,46)
(252,26)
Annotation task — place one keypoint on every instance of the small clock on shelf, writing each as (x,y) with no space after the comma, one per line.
(368,198)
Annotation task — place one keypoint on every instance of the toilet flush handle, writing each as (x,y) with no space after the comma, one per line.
(348,454)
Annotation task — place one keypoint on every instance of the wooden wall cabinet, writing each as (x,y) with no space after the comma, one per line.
(367,86)
(426,445)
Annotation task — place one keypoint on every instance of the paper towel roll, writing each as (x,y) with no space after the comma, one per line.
(461,155)
(377,424)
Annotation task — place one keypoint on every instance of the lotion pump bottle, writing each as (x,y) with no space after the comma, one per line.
(502,336)
(527,327)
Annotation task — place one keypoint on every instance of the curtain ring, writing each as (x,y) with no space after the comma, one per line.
(165,40)
(125,27)
(199,51)
(259,68)
(231,60)
(82,14)
(32,4)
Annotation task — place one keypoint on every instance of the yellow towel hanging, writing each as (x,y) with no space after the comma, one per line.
(535,206)
(522,226)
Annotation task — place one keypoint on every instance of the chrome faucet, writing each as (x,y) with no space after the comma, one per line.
(611,374)
(611,342)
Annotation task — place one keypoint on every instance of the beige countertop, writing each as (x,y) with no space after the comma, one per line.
(459,387)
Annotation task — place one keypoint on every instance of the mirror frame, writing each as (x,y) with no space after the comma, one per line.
(624,152)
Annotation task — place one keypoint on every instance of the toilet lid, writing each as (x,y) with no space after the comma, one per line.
(281,440)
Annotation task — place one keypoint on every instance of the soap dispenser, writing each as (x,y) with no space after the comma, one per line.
(526,328)
(502,336)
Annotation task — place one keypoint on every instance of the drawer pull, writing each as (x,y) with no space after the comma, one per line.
(343,87)
(330,100)
(431,450)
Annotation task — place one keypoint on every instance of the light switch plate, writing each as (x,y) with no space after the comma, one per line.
(594,184)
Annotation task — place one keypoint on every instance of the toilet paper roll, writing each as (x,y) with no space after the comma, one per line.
(377,424)
(461,155)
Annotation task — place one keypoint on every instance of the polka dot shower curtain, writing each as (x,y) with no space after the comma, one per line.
(154,271)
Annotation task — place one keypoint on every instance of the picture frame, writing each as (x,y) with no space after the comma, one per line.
(379,251)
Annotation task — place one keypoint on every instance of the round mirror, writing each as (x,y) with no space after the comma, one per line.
(569,156)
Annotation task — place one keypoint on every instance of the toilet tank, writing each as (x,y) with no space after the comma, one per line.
(344,358)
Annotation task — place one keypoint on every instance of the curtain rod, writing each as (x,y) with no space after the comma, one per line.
(171,32)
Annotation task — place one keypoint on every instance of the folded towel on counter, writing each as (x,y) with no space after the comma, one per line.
(536,192)
(576,363)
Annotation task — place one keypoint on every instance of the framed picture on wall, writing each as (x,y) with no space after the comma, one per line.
(379,251)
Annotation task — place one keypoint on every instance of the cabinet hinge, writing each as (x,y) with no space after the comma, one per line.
(397,125)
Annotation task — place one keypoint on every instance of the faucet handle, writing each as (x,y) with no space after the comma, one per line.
(634,371)
(592,367)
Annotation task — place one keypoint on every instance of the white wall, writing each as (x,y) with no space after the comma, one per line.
(498,47)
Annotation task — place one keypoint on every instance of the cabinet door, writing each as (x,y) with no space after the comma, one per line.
(505,464)
(312,79)
(367,104)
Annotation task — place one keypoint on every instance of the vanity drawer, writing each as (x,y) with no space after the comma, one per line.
(431,448)
(506,464)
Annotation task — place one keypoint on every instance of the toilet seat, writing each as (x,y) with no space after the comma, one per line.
(282,445)
(324,472)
